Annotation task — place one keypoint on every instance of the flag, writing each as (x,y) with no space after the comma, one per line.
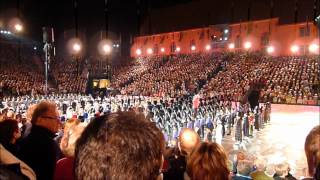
(296,11)
(271,8)
(250,27)
(162,39)
(181,36)
(249,10)
(201,35)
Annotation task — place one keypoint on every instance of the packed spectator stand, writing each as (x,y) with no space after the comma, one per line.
(163,88)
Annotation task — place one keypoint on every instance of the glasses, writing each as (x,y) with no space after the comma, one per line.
(49,117)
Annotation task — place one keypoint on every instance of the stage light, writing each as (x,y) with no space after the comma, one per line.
(208,47)
(18,27)
(294,48)
(226,31)
(149,51)
(8,32)
(35,48)
(231,46)
(270,49)
(247,45)
(76,47)
(162,49)
(1,32)
(118,45)
(138,52)
(178,49)
(220,39)
(193,47)
(314,48)
(226,38)
(106,48)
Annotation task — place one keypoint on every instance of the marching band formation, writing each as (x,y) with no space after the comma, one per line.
(211,118)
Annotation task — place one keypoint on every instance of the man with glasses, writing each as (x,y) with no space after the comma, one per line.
(38,149)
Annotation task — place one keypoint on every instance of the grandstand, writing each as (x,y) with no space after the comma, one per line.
(238,100)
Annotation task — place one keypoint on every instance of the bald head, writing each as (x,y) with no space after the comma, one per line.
(188,140)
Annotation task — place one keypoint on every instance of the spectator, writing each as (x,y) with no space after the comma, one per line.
(120,146)
(244,168)
(312,150)
(259,173)
(9,134)
(208,162)
(38,149)
(7,159)
(282,170)
(64,167)
(188,140)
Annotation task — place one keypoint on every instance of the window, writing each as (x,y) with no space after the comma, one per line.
(155,49)
(238,42)
(304,31)
(265,39)
(307,31)
(192,42)
(302,49)
(301,30)
(173,47)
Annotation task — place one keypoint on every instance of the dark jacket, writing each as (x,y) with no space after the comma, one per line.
(40,152)
(177,167)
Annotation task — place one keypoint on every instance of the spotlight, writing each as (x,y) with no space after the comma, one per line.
(226,31)
(294,48)
(106,48)
(138,52)
(247,45)
(270,49)
(193,47)
(1,32)
(231,46)
(178,49)
(226,38)
(18,27)
(314,48)
(208,47)
(220,39)
(76,47)
(35,48)
(162,49)
(118,45)
(8,32)
(149,51)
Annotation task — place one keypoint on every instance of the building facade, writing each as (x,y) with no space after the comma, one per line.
(266,35)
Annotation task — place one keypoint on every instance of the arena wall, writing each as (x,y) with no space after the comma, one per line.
(261,33)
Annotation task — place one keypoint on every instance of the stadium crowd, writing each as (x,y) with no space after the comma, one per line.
(19,75)
(70,77)
(172,76)
(293,80)
(41,144)
(180,109)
